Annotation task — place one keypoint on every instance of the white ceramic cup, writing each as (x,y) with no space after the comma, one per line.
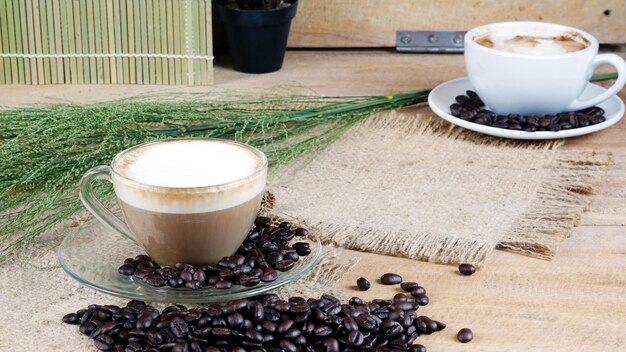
(509,82)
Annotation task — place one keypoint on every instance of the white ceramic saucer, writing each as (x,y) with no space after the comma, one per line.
(443,96)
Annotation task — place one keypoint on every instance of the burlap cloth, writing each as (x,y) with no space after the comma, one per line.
(405,185)
(412,185)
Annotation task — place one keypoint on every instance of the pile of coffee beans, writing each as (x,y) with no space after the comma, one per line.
(265,251)
(470,108)
(267,323)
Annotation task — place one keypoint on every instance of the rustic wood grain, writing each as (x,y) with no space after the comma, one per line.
(373,23)
(576,302)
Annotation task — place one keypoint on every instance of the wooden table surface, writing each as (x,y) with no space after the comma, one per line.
(576,302)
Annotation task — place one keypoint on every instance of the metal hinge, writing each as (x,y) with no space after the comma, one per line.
(430,41)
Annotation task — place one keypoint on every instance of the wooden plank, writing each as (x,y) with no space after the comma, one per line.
(165,72)
(38,41)
(373,23)
(171,63)
(31,40)
(86,17)
(58,41)
(23,24)
(104,42)
(130,37)
(72,38)
(5,46)
(111,41)
(45,39)
(64,35)
(17,65)
(78,41)
(135,13)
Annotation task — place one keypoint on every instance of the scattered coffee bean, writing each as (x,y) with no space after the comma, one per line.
(465,335)
(363,284)
(71,318)
(418,348)
(390,279)
(408,286)
(467,269)
(265,251)
(470,108)
(418,291)
(264,324)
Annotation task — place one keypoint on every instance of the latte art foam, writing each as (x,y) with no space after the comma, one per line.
(188,163)
(538,43)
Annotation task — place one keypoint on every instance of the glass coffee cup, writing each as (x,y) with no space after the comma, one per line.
(183,200)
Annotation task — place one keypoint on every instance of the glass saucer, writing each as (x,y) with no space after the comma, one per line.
(92,253)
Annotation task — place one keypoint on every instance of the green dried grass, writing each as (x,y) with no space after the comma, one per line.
(45,150)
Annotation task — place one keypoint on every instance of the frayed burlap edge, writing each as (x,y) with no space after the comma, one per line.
(560,201)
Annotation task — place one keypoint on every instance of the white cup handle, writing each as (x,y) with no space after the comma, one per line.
(601,59)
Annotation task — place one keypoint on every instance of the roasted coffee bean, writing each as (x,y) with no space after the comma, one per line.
(467,269)
(126,269)
(408,286)
(440,325)
(332,345)
(262,221)
(180,347)
(71,318)
(431,325)
(363,284)
(287,346)
(179,327)
(422,300)
(390,279)
(400,297)
(367,322)
(465,335)
(284,265)
(418,291)
(175,282)
(193,284)
(417,348)
(223,284)
(103,342)
(301,232)
(155,280)
(249,281)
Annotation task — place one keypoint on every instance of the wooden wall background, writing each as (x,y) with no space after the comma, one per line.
(373,23)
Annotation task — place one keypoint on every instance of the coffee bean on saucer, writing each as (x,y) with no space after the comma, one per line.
(467,269)
(390,279)
(223,284)
(465,335)
(126,269)
(249,263)
(363,284)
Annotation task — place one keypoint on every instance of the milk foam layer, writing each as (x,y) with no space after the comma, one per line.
(189,176)
(538,42)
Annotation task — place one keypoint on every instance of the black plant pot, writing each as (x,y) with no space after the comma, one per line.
(257,38)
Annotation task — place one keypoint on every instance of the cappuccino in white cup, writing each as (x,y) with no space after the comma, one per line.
(535,68)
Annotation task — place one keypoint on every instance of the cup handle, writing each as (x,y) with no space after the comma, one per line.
(601,59)
(95,206)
